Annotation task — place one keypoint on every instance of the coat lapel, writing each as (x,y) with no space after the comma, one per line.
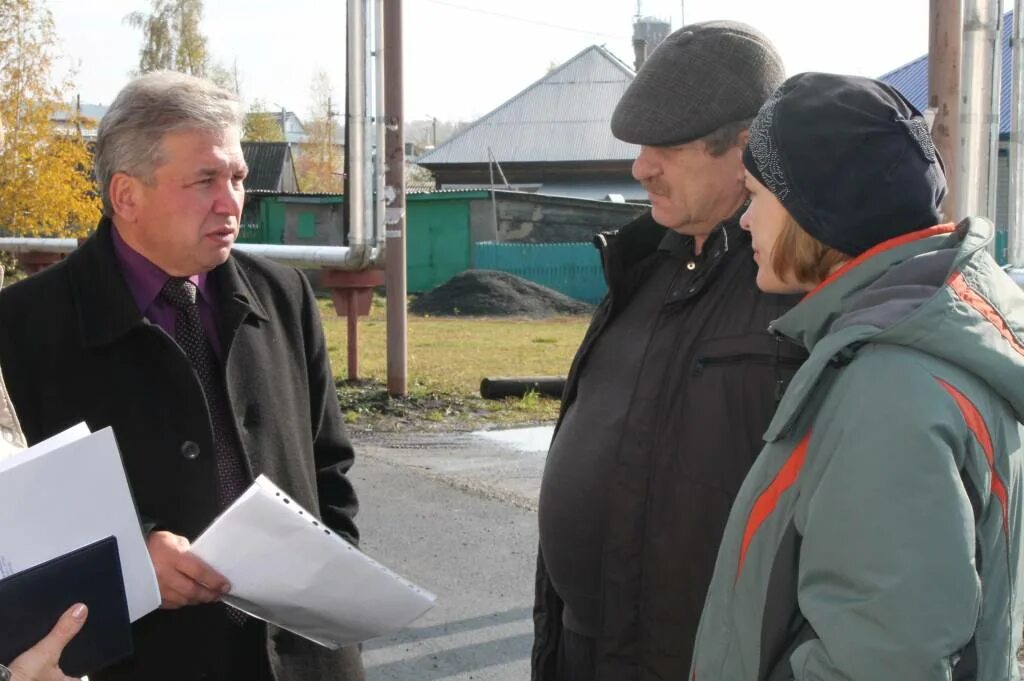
(103,304)
(237,301)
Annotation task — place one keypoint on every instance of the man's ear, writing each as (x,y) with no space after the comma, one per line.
(125,194)
(743,139)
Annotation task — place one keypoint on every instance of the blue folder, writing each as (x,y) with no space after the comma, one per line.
(31,602)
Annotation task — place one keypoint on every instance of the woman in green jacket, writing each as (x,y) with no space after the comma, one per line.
(878,534)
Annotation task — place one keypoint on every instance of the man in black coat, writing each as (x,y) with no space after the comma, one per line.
(674,383)
(210,366)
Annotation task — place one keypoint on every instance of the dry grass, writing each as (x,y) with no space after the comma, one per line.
(447,358)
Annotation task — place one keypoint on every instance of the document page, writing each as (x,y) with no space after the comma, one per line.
(287,568)
(68,492)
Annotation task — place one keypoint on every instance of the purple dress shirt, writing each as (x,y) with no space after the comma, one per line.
(146,280)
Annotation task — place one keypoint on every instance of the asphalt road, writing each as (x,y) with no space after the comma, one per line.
(454,515)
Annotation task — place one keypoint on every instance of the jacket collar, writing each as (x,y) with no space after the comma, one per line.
(624,249)
(106,310)
(811,322)
(236,298)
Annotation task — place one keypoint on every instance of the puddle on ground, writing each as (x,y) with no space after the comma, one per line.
(523,439)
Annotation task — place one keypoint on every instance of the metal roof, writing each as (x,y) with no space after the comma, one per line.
(266,161)
(94,112)
(912,79)
(564,116)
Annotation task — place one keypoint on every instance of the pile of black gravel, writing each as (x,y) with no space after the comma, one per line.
(487,293)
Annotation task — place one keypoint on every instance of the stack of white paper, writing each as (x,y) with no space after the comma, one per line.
(287,568)
(68,492)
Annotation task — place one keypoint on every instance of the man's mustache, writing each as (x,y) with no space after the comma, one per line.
(656,188)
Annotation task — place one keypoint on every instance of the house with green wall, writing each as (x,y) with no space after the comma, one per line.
(445,229)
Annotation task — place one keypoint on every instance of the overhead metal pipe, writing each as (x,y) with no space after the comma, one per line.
(1015,228)
(368,164)
(355,129)
(37,245)
(340,257)
(976,185)
(380,194)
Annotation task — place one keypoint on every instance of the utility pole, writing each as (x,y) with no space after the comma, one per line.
(328,151)
(395,278)
(945,33)
(976,181)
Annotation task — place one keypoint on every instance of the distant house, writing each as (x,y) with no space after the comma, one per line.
(84,118)
(912,80)
(552,138)
(292,128)
(271,167)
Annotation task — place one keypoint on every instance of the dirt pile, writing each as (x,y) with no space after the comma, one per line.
(487,293)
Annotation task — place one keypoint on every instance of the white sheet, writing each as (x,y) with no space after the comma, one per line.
(65,493)
(285,567)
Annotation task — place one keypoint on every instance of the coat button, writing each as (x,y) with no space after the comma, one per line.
(190,450)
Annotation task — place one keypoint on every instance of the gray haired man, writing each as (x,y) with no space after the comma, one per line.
(674,383)
(210,366)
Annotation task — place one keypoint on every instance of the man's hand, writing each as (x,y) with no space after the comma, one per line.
(40,662)
(183,578)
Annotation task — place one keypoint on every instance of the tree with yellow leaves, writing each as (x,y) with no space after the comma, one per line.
(320,160)
(46,188)
(262,125)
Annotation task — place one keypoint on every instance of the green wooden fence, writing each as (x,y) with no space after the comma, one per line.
(570,268)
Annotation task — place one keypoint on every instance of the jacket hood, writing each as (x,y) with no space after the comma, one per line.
(937,291)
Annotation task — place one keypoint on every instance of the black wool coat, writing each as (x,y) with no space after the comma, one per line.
(75,347)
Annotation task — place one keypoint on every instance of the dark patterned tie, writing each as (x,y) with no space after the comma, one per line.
(232,478)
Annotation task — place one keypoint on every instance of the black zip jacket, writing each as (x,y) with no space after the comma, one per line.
(717,396)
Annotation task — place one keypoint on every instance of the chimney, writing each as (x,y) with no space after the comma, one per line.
(639,52)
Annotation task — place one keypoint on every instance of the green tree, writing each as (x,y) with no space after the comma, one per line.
(172,39)
(262,125)
(319,162)
(45,175)
(227,78)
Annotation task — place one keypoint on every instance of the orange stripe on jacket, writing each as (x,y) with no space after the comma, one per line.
(968,295)
(769,499)
(977,426)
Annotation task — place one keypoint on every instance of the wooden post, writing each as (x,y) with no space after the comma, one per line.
(353,334)
(944,74)
(395,223)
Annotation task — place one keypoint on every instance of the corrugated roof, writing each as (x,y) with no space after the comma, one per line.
(912,79)
(93,112)
(564,116)
(266,161)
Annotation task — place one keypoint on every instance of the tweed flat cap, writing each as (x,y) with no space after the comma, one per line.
(700,78)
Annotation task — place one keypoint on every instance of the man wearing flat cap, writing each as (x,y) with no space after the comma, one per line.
(674,383)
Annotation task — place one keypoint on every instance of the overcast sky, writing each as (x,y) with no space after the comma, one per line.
(463,58)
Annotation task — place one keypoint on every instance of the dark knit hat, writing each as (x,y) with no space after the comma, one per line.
(850,158)
(700,78)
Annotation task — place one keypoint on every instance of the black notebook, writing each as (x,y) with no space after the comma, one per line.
(33,600)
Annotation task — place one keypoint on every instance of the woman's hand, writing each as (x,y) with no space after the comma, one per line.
(41,661)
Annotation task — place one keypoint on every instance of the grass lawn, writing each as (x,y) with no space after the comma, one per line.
(448,357)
